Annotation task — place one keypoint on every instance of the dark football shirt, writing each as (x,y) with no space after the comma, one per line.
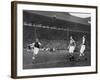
(37,45)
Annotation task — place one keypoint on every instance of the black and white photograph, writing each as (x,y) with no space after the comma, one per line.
(56,39)
(53,39)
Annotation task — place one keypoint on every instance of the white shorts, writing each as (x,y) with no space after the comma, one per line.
(35,50)
(82,48)
(71,49)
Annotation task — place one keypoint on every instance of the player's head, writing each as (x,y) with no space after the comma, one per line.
(71,37)
(37,40)
(84,36)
